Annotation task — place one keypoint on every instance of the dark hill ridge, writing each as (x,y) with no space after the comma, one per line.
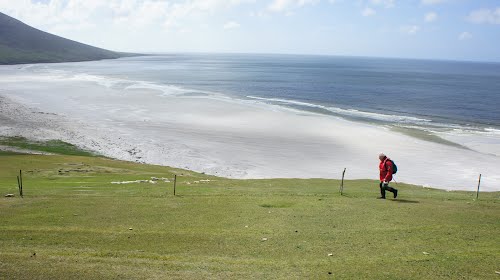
(21,43)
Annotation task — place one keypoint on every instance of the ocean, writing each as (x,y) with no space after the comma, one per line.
(447,93)
(447,103)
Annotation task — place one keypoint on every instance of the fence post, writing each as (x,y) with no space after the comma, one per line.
(342,183)
(175,182)
(478,184)
(19,186)
(21,181)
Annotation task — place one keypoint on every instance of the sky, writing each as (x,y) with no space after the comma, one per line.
(427,29)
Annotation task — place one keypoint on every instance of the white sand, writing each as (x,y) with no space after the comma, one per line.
(226,137)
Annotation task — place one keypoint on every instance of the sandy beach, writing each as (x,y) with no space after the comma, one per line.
(227,137)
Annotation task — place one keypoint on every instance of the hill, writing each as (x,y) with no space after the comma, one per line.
(21,43)
(76,222)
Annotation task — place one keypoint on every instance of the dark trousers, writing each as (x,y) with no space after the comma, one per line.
(385,187)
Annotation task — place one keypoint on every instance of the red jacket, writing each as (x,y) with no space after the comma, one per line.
(385,168)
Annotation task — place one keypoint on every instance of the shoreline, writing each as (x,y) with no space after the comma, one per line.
(243,146)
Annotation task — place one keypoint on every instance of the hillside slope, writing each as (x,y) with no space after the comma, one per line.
(21,43)
(89,217)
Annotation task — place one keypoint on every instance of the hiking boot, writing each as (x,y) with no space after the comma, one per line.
(395,192)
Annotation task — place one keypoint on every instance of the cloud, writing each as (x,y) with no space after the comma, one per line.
(430,17)
(193,9)
(140,14)
(464,36)
(385,3)
(57,15)
(432,2)
(409,29)
(368,12)
(285,6)
(231,25)
(485,16)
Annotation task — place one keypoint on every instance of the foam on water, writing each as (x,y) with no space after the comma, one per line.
(349,112)
(119,83)
(492,131)
(166,90)
(101,80)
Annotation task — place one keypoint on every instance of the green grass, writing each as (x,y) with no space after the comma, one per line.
(8,153)
(74,224)
(50,146)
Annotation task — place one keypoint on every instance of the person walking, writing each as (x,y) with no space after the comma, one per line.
(386,170)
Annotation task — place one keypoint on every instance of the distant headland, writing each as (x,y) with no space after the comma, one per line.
(21,44)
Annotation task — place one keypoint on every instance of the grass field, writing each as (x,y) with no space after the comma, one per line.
(73,223)
(50,146)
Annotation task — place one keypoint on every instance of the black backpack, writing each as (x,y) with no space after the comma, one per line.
(394,166)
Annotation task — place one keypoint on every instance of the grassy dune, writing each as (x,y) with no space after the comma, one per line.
(50,146)
(74,224)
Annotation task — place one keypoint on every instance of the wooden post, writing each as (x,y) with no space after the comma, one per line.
(21,181)
(342,183)
(19,186)
(175,182)
(478,184)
